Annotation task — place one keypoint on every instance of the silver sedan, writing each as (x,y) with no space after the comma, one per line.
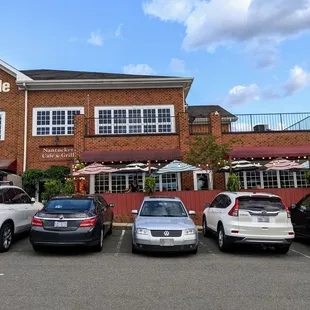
(163,224)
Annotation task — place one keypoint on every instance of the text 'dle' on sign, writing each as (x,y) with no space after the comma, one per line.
(57,153)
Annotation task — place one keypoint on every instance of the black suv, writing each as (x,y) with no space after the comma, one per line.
(72,220)
(300,215)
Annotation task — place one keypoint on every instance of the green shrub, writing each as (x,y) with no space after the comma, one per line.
(233,183)
(150,185)
(68,188)
(307,176)
(52,189)
(30,179)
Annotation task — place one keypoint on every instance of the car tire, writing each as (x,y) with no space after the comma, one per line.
(6,237)
(98,247)
(194,251)
(134,250)
(223,245)
(206,233)
(110,231)
(282,249)
(37,248)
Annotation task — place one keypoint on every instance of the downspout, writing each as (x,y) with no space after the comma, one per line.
(25,128)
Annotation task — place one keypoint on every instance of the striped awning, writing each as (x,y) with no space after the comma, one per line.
(175,167)
(283,164)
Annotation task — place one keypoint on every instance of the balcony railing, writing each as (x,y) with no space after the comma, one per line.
(269,123)
(131,126)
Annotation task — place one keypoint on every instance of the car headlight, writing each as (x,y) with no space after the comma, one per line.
(190,231)
(141,231)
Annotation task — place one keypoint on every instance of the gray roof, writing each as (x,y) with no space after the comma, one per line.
(204,111)
(45,74)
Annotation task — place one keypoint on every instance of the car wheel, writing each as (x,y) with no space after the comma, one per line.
(134,250)
(282,249)
(223,245)
(206,233)
(36,248)
(99,246)
(6,237)
(194,251)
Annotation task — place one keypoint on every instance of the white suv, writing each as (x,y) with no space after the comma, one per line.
(248,218)
(16,212)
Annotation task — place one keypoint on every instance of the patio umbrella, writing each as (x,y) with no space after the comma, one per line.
(283,164)
(242,165)
(135,168)
(306,165)
(93,169)
(177,166)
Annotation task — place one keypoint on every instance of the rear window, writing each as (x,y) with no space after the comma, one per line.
(260,203)
(60,205)
(163,209)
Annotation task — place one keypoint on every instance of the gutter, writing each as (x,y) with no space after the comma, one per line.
(25,128)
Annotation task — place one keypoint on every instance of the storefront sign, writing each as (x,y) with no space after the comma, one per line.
(56,153)
(5,87)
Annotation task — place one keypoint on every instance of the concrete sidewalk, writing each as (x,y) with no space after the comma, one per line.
(128,226)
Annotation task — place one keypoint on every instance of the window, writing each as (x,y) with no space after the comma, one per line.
(270,179)
(301,179)
(2,125)
(118,183)
(163,209)
(102,183)
(169,182)
(54,121)
(253,179)
(287,179)
(241,178)
(125,120)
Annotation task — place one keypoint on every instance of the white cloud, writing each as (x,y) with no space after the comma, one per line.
(240,95)
(298,80)
(118,31)
(177,65)
(140,69)
(213,23)
(96,38)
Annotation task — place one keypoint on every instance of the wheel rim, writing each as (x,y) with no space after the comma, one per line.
(7,237)
(101,238)
(221,238)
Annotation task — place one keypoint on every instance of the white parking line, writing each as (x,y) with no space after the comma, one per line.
(304,255)
(119,243)
(1,274)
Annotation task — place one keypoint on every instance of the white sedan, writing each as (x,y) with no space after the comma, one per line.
(16,212)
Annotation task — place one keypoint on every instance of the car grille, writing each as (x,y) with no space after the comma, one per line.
(161,233)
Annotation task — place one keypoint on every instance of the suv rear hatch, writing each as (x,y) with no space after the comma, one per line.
(263,215)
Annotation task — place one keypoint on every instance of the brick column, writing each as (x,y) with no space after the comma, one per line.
(183,130)
(79,136)
(216,126)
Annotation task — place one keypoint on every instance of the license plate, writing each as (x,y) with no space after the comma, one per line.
(166,242)
(264,219)
(61,224)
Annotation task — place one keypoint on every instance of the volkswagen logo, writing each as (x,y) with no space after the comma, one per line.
(264,212)
(166,233)
(61,217)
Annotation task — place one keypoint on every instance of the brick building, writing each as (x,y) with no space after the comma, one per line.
(54,117)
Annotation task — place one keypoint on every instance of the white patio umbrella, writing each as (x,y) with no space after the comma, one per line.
(93,169)
(175,167)
(241,165)
(135,168)
(306,165)
(283,164)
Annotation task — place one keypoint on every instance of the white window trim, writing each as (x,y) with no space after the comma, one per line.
(138,107)
(2,116)
(196,173)
(34,118)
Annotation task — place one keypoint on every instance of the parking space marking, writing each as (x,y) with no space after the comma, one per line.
(304,255)
(119,243)
(1,274)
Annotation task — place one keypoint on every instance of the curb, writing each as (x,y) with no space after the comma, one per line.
(128,226)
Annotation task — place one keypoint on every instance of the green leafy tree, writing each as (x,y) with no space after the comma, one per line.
(57,173)
(52,189)
(30,180)
(208,153)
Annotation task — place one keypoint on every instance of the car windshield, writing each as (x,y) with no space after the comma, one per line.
(60,205)
(163,209)
(261,203)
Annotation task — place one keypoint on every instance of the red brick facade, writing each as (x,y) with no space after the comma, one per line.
(13,104)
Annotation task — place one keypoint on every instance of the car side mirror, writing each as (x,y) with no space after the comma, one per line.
(191,212)
(292,207)
(33,200)
(134,211)
(112,205)
(207,205)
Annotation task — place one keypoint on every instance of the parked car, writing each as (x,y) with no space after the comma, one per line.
(300,214)
(16,212)
(163,223)
(79,220)
(248,218)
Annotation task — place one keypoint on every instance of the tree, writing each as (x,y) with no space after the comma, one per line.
(205,152)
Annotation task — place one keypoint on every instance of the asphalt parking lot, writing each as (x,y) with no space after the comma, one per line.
(247,278)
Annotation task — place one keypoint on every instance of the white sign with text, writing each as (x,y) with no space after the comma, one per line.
(5,87)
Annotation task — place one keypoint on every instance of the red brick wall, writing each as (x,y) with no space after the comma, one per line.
(12,103)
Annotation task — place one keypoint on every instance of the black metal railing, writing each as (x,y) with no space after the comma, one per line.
(131,126)
(269,122)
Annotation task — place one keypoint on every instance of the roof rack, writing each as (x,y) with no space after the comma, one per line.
(6,183)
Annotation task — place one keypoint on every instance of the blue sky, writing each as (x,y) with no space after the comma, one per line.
(249,56)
